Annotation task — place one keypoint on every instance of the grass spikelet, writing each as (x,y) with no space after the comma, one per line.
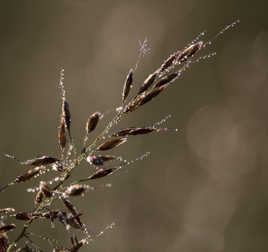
(110,144)
(127,85)
(168,62)
(133,105)
(76,190)
(150,95)
(123,132)
(29,174)
(148,82)
(143,98)
(67,117)
(99,160)
(92,122)
(39,161)
(134,131)
(189,51)
(141,131)
(166,79)
(100,173)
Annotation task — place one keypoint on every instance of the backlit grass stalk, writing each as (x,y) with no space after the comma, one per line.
(62,187)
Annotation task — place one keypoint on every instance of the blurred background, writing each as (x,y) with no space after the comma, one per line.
(204,189)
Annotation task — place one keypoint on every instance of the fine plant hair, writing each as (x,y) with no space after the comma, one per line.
(61,186)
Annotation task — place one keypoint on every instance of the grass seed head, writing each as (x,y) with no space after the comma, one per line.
(134,131)
(123,132)
(66,114)
(110,144)
(102,173)
(92,122)
(29,174)
(166,79)
(76,190)
(168,62)
(151,94)
(189,51)
(148,82)
(99,160)
(141,131)
(44,160)
(128,84)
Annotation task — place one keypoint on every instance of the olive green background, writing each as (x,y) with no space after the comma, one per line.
(202,189)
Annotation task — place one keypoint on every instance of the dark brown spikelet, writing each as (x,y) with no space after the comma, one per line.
(148,82)
(44,160)
(189,51)
(62,135)
(100,159)
(134,131)
(29,174)
(151,94)
(102,173)
(92,122)
(143,98)
(112,143)
(167,79)
(141,131)
(123,132)
(66,114)
(7,228)
(128,84)
(168,62)
(76,190)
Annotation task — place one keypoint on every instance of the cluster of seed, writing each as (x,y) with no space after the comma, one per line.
(55,189)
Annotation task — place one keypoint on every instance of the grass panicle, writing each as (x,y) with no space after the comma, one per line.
(59,185)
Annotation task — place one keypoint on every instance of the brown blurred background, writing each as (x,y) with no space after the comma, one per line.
(203,190)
